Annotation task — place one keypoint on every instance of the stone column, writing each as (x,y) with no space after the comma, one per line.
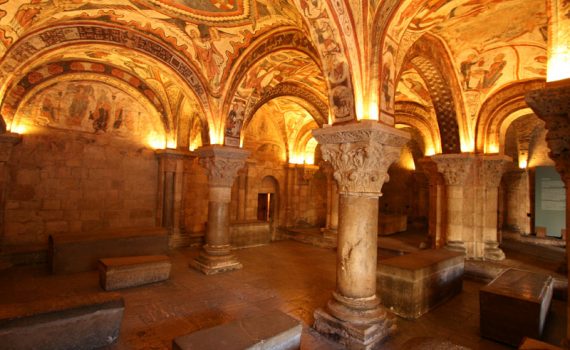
(7,142)
(171,192)
(552,104)
(222,164)
(360,154)
(331,229)
(437,202)
(457,170)
(491,171)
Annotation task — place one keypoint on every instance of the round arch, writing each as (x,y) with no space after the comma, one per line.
(499,111)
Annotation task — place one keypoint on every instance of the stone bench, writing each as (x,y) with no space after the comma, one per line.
(132,271)
(410,285)
(273,330)
(81,252)
(76,322)
(515,305)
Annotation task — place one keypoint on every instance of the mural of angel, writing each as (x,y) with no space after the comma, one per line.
(206,52)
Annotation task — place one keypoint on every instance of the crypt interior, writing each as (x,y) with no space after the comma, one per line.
(382,173)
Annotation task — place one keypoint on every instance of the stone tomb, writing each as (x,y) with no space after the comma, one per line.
(515,305)
(410,285)
(274,330)
(533,344)
(132,271)
(74,322)
(81,252)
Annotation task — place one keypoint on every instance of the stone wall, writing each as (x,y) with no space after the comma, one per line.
(62,181)
(195,212)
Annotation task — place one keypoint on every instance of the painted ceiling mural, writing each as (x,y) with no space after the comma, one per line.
(281,67)
(412,88)
(91,107)
(492,42)
(210,33)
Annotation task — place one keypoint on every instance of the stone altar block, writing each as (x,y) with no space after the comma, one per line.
(132,271)
(410,285)
(81,252)
(514,305)
(274,330)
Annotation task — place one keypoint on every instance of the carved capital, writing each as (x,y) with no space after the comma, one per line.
(169,159)
(360,154)
(7,141)
(456,168)
(221,163)
(492,169)
(552,104)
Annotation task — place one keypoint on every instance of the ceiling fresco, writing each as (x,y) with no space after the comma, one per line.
(492,42)
(91,107)
(412,88)
(210,34)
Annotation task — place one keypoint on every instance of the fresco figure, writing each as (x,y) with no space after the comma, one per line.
(79,104)
(417,88)
(235,119)
(494,72)
(466,70)
(206,52)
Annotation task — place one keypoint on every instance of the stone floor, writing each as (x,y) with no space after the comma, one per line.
(293,277)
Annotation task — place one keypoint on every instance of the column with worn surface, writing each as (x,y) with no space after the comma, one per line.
(436,220)
(221,164)
(360,154)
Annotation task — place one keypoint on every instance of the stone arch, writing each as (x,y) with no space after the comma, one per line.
(431,59)
(382,71)
(237,109)
(419,117)
(499,110)
(303,96)
(18,92)
(54,37)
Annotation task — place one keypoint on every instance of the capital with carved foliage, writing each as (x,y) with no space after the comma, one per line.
(492,169)
(552,104)
(361,153)
(222,163)
(456,168)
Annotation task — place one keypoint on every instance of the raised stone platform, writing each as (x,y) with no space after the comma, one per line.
(77,322)
(81,252)
(132,271)
(509,314)
(389,224)
(533,344)
(410,285)
(273,330)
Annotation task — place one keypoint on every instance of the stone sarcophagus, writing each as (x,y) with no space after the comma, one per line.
(514,305)
(410,285)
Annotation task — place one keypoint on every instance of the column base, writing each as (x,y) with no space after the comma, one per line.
(331,236)
(354,336)
(456,246)
(178,240)
(212,264)
(493,252)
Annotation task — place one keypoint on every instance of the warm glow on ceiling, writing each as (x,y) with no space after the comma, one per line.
(522,163)
(20,129)
(558,64)
(430,151)
(492,148)
(156,141)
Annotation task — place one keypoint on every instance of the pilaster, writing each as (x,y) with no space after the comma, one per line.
(7,142)
(171,194)
(222,164)
(458,171)
(360,154)
(492,168)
